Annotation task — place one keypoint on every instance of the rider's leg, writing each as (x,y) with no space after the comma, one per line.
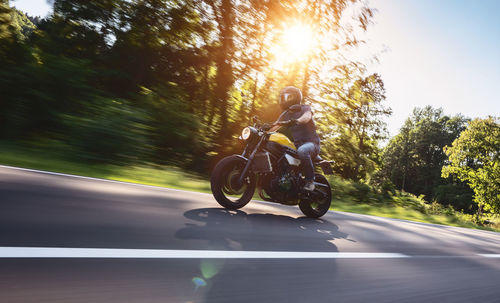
(305,151)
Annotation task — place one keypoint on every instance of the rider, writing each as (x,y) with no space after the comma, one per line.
(300,122)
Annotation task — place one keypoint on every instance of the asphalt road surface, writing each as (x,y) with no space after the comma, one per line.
(71,239)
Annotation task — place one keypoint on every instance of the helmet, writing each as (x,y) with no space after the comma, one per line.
(289,96)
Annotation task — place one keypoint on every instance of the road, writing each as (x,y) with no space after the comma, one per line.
(133,243)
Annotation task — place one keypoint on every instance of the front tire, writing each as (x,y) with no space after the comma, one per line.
(224,187)
(315,208)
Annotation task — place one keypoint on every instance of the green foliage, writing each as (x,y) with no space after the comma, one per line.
(401,205)
(194,71)
(110,132)
(22,26)
(413,159)
(355,192)
(387,188)
(173,128)
(36,94)
(474,157)
(12,49)
(6,26)
(352,125)
(361,191)
(457,195)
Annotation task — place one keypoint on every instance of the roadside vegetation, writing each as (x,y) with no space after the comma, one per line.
(158,91)
(364,199)
(42,158)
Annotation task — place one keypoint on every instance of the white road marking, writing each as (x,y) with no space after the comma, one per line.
(64,252)
(490,255)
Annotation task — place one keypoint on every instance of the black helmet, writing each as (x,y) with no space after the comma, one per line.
(289,96)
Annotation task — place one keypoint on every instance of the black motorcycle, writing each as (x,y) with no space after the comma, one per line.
(270,164)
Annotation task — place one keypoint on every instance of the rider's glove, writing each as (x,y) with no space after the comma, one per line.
(266,126)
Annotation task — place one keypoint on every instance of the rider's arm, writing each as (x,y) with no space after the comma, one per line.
(274,128)
(303,119)
(306,117)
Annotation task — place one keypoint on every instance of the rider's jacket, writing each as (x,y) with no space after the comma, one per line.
(302,133)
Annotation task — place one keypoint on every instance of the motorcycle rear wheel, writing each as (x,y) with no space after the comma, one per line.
(225,187)
(316,209)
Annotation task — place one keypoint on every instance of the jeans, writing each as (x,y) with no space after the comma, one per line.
(306,152)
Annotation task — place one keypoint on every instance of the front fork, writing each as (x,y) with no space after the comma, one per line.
(243,174)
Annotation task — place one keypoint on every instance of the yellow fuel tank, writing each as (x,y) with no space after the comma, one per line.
(281,139)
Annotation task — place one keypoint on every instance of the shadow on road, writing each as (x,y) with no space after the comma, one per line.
(261,280)
(237,230)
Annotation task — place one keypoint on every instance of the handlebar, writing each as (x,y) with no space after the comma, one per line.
(278,122)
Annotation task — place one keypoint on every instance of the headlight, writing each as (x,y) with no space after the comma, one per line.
(245,134)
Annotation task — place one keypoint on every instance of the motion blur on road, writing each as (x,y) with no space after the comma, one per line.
(402,261)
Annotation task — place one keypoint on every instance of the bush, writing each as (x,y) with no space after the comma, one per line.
(35,95)
(388,188)
(361,192)
(111,132)
(434,208)
(341,188)
(460,196)
(175,129)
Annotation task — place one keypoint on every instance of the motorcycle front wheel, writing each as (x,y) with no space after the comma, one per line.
(317,207)
(225,186)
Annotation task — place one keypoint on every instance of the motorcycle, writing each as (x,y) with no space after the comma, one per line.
(270,164)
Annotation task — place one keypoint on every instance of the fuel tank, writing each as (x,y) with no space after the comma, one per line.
(281,139)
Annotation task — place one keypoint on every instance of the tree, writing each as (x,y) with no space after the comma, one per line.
(474,157)
(14,28)
(22,24)
(353,123)
(241,48)
(216,58)
(414,157)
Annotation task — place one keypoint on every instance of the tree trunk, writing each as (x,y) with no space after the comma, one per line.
(305,81)
(224,78)
(479,213)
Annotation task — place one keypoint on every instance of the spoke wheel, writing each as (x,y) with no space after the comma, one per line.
(225,185)
(319,201)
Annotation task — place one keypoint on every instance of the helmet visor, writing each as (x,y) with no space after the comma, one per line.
(286,97)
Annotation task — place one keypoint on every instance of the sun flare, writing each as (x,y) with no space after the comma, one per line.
(294,46)
(298,39)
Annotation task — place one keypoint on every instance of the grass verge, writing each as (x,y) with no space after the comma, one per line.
(406,213)
(166,176)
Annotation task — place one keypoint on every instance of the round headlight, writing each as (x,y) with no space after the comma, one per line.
(245,134)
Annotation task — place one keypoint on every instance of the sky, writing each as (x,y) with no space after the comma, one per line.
(33,7)
(442,53)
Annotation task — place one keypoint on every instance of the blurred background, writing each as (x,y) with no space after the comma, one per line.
(140,89)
